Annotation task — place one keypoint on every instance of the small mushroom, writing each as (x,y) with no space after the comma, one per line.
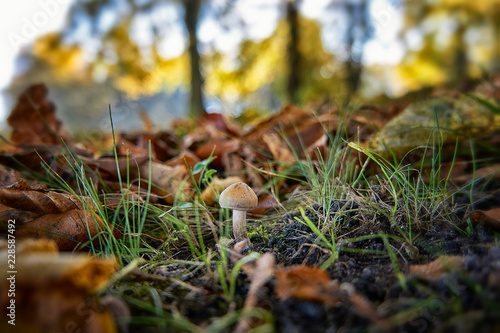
(239,197)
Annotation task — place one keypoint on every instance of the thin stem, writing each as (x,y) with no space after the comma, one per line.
(239,224)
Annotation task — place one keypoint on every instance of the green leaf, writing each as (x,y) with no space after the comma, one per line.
(199,166)
(209,174)
(202,165)
(184,205)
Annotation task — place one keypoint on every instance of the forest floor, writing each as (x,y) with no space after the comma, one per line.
(381,218)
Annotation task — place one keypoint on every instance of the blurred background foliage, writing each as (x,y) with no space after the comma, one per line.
(173,58)
(455,41)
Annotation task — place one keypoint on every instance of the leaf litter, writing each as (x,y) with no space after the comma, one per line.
(383,262)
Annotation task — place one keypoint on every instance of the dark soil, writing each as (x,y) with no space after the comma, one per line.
(461,300)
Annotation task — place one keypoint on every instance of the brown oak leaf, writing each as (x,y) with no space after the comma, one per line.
(33,119)
(437,267)
(489,217)
(55,293)
(64,218)
(306,283)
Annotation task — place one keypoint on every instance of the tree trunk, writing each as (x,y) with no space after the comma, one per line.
(459,73)
(192,10)
(293,51)
(357,17)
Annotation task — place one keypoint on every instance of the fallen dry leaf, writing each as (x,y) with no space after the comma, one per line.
(254,176)
(302,138)
(306,283)
(201,132)
(42,214)
(163,145)
(125,147)
(20,216)
(131,193)
(217,149)
(319,150)
(68,229)
(167,180)
(488,171)
(489,217)
(216,186)
(302,129)
(266,202)
(22,196)
(32,246)
(278,147)
(10,177)
(218,121)
(232,162)
(33,119)
(313,284)
(38,158)
(55,292)
(259,272)
(127,165)
(288,117)
(362,306)
(185,158)
(437,267)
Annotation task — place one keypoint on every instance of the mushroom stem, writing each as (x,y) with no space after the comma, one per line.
(239,224)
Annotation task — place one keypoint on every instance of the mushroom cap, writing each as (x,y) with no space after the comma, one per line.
(238,196)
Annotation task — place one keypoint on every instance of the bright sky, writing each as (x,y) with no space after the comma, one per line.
(22,22)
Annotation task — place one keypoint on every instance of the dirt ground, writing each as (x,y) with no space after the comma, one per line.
(464,297)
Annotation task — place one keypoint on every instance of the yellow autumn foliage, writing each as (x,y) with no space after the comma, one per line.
(264,63)
(66,60)
(448,52)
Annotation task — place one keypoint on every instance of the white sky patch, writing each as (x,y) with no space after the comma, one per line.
(165,13)
(225,41)
(314,8)
(141,32)
(107,19)
(260,18)
(376,52)
(386,20)
(166,17)
(172,44)
(171,33)
(207,31)
(385,47)
(414,39)
(260,15)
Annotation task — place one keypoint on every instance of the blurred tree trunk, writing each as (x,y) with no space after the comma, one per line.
(192,10)
(459,69)
(496,35)
(293,51)
(357,20)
